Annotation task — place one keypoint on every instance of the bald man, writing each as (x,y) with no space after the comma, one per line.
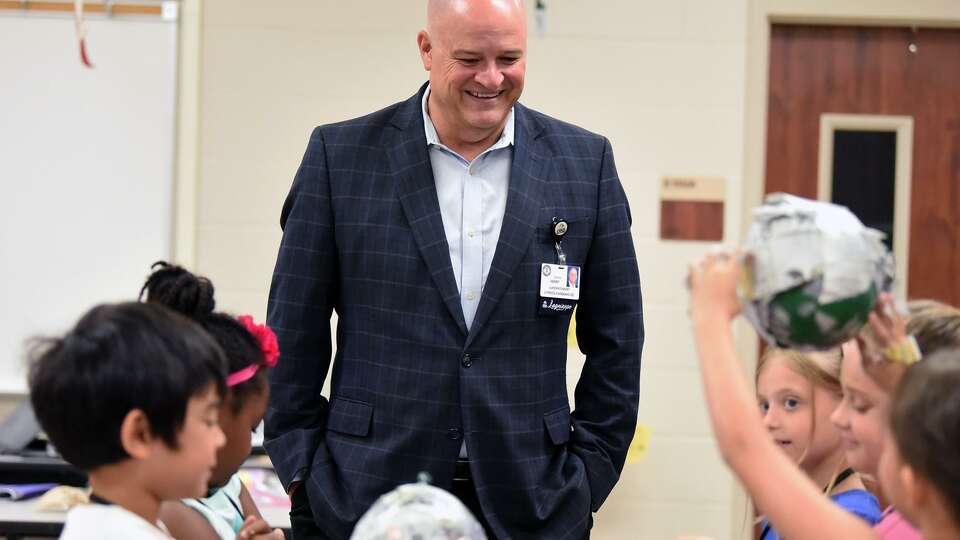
(441,229)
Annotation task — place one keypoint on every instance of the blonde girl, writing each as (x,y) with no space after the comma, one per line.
(797,392)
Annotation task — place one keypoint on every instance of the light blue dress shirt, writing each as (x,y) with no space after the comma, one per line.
(473,198)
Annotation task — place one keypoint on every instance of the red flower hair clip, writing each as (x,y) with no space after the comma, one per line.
(268,346)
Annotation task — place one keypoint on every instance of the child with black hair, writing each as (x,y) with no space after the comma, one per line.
(131,395)
(227,511)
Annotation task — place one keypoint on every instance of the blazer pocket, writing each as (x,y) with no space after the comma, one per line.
(350,417)
(557,423)
(576,241)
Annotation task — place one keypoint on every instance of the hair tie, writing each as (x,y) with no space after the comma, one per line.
(268,348)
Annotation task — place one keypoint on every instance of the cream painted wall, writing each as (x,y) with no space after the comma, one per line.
(663,80)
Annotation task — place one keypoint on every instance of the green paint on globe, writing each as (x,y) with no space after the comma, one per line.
(797,320)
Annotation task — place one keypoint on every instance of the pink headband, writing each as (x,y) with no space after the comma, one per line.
(268,346)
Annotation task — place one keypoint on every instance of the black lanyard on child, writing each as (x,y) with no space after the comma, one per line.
(840,478)
(96,499)
(846,473)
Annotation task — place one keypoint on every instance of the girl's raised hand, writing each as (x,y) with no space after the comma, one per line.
(713,287)
(883,341)
(888,327)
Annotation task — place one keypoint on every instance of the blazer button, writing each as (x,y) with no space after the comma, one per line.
(453,434)
(466,361)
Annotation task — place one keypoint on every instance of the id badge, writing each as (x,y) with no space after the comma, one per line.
(559,288)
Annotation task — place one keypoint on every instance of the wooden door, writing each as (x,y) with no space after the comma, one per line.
(816,70)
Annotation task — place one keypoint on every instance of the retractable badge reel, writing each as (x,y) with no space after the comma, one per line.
(559,283)
(559,229)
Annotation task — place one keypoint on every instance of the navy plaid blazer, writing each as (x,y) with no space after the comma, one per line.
(362,235)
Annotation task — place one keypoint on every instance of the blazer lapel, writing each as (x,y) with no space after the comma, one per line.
(520,217)
(406,148)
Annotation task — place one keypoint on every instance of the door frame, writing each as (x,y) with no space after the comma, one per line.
(186,183)
(761,15)
(903,176)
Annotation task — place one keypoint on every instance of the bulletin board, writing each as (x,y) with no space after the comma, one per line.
(86,168)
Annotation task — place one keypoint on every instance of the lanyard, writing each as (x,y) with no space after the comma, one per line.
(96,499)
(558,228)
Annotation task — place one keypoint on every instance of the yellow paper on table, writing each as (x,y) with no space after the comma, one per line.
(638,446)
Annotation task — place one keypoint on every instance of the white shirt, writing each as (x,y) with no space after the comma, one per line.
(109,522)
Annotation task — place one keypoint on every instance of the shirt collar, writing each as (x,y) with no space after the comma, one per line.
(505,140)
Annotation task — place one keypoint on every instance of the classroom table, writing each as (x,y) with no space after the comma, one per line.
(38,467)
(18,519)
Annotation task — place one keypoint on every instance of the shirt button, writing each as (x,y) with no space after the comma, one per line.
(467,361)
(453,434)
(471,296)
(471,234)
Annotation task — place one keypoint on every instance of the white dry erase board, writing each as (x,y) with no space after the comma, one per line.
(86,169)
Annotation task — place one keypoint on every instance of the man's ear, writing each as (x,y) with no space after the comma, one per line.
(426,49)
(136,437)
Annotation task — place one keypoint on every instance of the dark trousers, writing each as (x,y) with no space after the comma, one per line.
(302,525)
(464,490)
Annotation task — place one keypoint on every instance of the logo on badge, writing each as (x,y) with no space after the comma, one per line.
(546,269)
(556,306)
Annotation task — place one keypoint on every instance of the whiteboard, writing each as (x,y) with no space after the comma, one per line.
(86,170)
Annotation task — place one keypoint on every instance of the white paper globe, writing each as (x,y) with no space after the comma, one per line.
(418,512)
(812,272)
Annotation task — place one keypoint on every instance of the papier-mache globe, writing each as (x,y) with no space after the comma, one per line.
(418,512)
(811,272)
